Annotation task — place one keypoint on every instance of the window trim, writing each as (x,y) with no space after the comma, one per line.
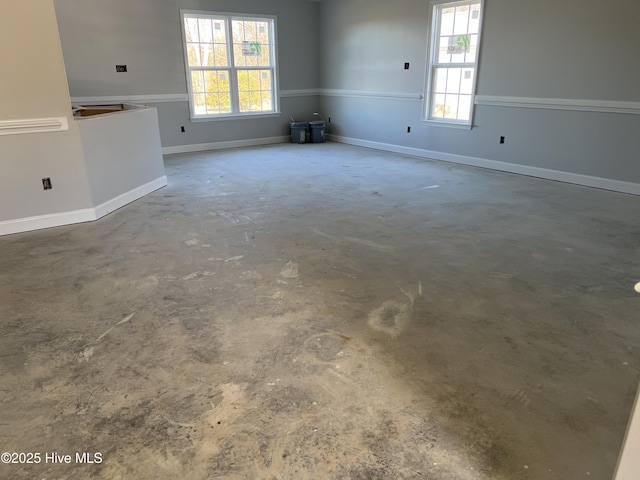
(229,17)
(432,42)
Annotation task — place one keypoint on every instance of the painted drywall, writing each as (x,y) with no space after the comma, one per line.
(558,50)
(146,36)
(561,49)
(35,86)
(122,152)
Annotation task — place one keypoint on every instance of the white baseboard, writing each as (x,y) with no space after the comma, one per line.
(130,196)
(547,174)
(39,222)
(201,147)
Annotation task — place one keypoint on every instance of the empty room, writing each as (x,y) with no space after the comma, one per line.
(330,239)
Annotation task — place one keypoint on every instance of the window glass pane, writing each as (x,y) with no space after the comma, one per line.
(213,105)
(199,106)
(464,107)
(263,32)
(197,82)
(451,107)
(225,103)
(446,26)
(193,54)
(239,60)
(223,83)
(457,57)
(251,60)
(219,31)
(220,56)
(453,80)
(470,57)
(264,59)
(474,19)
(265,80)
(243,80)
(254,80)
(191,29)
(250,32)
(466,82)
(247,80)
(211,81)
(255,100)
(206,54)
(205,30)
(245,104)
(237,31)
(443,48)
(438,106)
(461,22)
(440,80)
(267,105)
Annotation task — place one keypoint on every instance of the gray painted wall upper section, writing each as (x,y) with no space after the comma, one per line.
(586,49)
(364,45)
(146,36)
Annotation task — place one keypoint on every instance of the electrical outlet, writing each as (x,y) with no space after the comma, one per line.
(121,68)
(501,140)
(46,183)
(406,65)
(408,129)
(182,129)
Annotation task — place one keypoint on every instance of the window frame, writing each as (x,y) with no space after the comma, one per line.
(228,18)
(435,6)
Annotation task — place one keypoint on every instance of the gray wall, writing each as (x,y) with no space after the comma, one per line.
(573,49)
(36,87)
(565,49)
(122,153)
(146,36)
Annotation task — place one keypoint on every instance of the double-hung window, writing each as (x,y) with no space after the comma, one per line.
(230,63)
(453,61)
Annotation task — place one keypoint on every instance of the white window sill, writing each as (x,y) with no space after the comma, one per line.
(238,116)
(440,123)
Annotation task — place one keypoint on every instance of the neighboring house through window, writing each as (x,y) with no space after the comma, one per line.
(453,61)
(231,64)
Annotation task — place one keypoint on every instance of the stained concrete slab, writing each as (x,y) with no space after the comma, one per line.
(325,311)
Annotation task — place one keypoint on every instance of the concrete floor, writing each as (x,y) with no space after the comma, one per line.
(326,312)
